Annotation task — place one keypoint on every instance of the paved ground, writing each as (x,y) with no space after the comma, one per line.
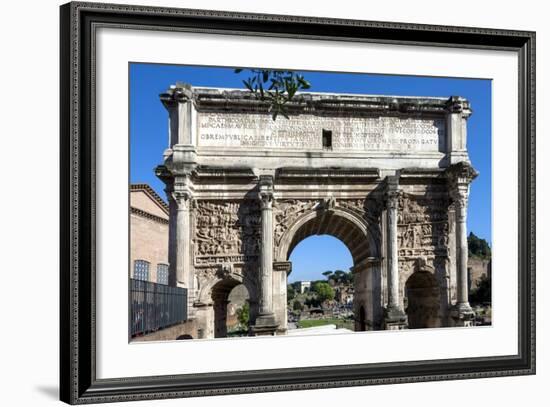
(318,330)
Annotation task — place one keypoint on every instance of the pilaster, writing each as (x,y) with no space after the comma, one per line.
(394,316)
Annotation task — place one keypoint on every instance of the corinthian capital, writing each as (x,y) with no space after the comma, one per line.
(392,192)
(460,176)
(265,193)
(183,199)
(459,196)
(182,191)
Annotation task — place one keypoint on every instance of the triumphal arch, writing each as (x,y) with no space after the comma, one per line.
(388,176)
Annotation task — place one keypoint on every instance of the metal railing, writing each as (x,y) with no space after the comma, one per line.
(155,306)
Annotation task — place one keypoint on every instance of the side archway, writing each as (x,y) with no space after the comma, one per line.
(423,299)
(213,300)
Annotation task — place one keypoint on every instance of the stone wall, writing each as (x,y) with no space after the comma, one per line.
(170,334)
(477,268)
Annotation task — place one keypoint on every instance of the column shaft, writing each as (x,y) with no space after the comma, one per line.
(184,274)
(182,237)
(266,322)
(393,259)
(266,305)
(462,253)
(395,317)
(460,176)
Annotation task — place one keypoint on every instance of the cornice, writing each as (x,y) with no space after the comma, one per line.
(229,100)
(146,188)
(147,215)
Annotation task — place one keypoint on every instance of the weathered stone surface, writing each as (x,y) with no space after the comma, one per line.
(388,176)
(305,132)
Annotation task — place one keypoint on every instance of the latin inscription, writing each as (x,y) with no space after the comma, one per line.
(305,132)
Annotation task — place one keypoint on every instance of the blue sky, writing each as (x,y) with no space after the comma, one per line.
(149,135)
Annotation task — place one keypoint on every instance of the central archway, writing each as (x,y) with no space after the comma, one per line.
(353,232)
(347,227)
(320,259)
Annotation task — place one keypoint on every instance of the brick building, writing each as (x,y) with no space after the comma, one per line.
(149,235)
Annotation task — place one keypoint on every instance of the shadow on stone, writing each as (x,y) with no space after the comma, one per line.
(184,336)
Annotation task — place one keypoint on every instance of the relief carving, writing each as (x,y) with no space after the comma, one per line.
(368,209)
(287,212)
(355,206)
(226,231)
(423,227)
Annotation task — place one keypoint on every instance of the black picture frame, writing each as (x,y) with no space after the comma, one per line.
(78,381)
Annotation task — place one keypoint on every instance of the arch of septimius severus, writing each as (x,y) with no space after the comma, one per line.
(388,176)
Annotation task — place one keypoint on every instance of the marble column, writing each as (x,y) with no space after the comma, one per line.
(266,267)
(281,270)
(461,175)
(462,250)
(183,252)
(395,317)
(266,323)
(182,196)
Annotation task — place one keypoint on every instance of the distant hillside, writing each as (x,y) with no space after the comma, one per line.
(478,247)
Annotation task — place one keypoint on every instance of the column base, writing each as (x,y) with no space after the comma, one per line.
(266,325)
(462,315)
(192,308)
(204,320)
(395,319)
(193,304)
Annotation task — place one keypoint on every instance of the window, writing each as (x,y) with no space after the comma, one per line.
(141,270)
(327,139)
(162,274)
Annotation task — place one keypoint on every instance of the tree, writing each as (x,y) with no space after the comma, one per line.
(297,305)
(243,314)
(296,286)
(482,292)
(327,274)
(276,87)
(338,275)
(478,247)
(324,291)
(347,278)
(312,302)
(290,292)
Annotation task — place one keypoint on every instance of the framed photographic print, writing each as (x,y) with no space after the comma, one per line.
(242,192)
